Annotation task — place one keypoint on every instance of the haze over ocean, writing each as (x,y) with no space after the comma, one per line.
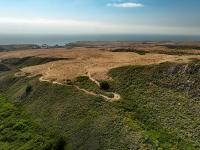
(64,39)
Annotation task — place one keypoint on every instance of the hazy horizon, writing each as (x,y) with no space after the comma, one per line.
(72,17)
(54,39)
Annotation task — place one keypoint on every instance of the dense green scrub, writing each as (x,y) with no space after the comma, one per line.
(19,132)
(84,121)
(165,99)
(159,109)
(171,51)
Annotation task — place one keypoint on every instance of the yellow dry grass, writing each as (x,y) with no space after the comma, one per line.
(87,60)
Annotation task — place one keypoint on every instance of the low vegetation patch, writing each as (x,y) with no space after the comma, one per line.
(195,61)
(29,61)
(18,47)
(3,68)
(183,47)
(140,52)
(175,52)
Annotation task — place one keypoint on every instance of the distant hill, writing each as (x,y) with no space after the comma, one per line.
(18,47)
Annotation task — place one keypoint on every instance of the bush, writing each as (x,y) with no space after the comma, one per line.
(104,85)
(28,89)
(59,144)
(140,52)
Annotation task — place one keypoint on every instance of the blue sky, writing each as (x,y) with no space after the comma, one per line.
(100,16)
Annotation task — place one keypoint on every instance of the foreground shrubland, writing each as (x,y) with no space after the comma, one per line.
(159,109)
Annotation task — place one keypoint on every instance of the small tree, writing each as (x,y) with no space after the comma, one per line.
(104,85)
(59,144)
(28,89)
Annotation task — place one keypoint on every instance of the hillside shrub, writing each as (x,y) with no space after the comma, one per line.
(29,88)
(104,85)
(59,144)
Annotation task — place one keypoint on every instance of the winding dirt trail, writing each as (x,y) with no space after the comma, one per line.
(116,96)
(92,79)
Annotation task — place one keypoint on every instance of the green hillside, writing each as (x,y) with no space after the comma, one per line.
(84,121)
(159,109)
(165,98)
(19,131)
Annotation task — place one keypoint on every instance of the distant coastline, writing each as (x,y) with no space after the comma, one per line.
(6,39)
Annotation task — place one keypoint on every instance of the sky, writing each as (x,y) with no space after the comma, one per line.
(179,17)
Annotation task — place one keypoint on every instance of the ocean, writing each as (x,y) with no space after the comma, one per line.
(6,39)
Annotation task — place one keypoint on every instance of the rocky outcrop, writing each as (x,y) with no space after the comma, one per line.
(181,77)
(184,69)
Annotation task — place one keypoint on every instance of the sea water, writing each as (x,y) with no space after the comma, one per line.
(6,39)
